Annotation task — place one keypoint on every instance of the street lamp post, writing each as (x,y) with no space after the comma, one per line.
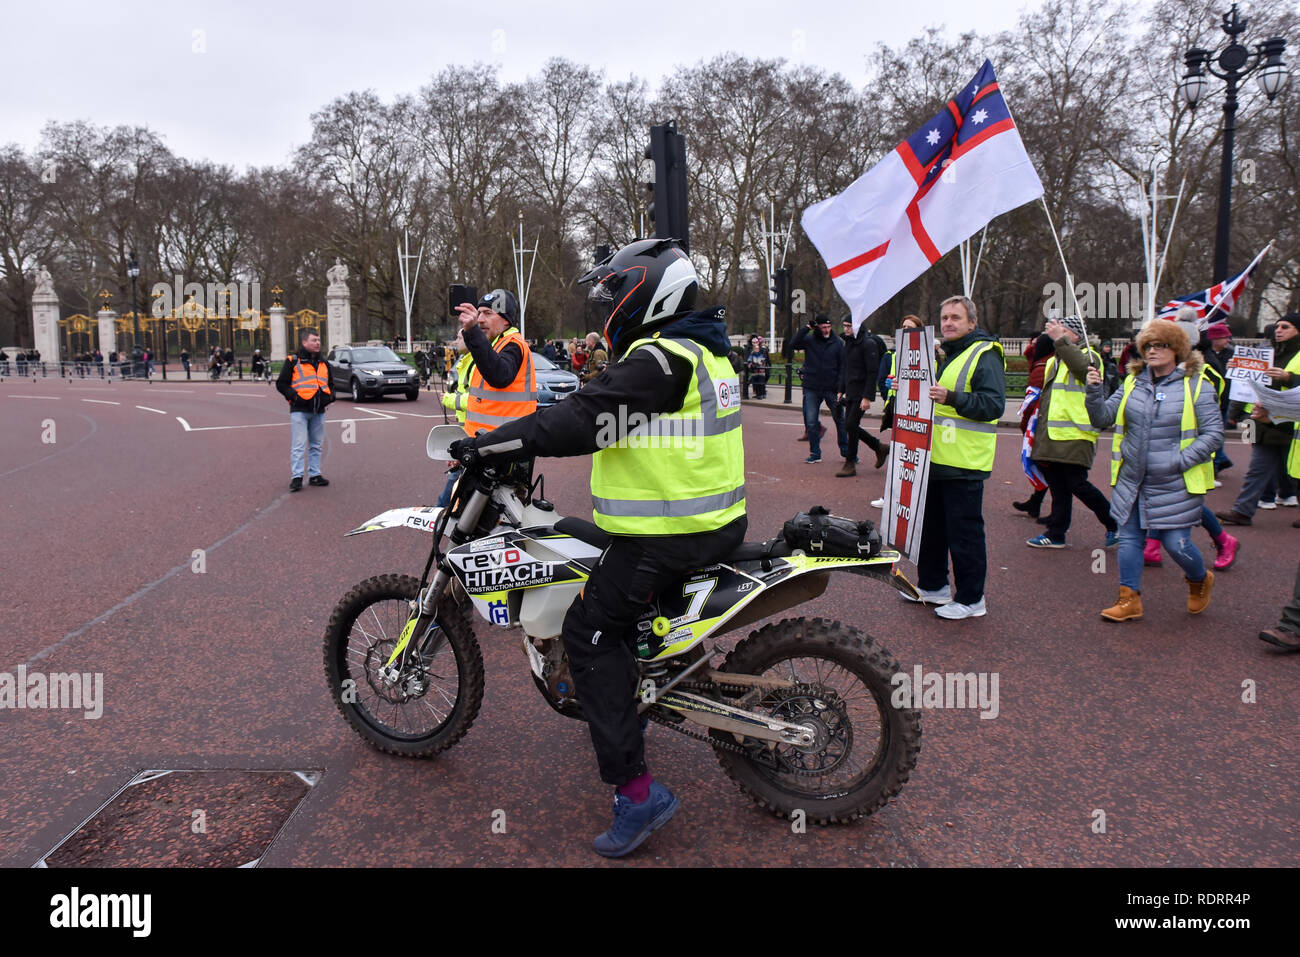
(137,350)
(1236,62)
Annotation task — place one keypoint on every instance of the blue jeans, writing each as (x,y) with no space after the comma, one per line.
(812,404)
(1177,542)
(1211,523)
(308,431)
(445,498)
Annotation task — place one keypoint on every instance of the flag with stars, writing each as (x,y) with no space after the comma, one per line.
(938,187)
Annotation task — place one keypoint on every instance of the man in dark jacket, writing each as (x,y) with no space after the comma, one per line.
(969,398)
(857,392)
(823,363)
(305,382)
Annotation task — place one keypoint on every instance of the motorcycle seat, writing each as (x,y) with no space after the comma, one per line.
(585,531)
(755,551)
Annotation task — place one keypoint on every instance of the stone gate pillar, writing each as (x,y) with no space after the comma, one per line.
(338,308)
(275,316)
(45,316)
(107,332)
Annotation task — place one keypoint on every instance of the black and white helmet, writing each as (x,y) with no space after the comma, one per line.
(645,284)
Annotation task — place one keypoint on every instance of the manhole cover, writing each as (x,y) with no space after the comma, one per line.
(178,818)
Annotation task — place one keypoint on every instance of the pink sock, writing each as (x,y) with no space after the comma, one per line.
(638,789)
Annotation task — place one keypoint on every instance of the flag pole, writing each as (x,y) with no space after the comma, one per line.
(978,257)
(1227,289)
(1069,280)
(1164,254)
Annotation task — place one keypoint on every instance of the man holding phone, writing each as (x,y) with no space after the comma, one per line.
(503,383)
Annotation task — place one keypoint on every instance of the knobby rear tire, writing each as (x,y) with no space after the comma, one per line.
(835,645)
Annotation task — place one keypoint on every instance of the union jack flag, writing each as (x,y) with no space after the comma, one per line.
(1221,296)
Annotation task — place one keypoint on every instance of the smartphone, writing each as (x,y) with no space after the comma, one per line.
(458,293)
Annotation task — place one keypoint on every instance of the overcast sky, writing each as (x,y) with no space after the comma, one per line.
(236,81)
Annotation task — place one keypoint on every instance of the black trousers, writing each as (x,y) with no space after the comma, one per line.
(1067,483)
(1291,613)
(599,634)
(853,425)
(954,524)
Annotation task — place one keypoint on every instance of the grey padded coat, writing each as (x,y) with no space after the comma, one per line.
(1152,472)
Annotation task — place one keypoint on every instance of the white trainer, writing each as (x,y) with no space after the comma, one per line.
(956,610)
(1289,502)
(1268,505)
(877,503)
(940,597)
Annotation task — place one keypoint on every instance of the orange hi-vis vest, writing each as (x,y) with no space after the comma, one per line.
(308,379)
(489,407)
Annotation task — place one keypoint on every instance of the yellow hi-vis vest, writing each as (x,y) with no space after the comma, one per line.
(457,400)
(681,472)
(969,444)
(1069,416)
(1293,458)
(489,407)
(1199,478)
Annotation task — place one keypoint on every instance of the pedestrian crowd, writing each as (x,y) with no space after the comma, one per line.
(1166,400)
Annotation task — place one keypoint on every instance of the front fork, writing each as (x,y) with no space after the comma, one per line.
(424,622)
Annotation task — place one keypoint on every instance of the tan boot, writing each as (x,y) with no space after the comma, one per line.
(847,469)
(1128,608)
(1198,593)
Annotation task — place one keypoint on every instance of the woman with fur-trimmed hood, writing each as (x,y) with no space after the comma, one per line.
(1158,481)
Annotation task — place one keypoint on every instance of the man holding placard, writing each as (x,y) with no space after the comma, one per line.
(969,399)
(1272,439)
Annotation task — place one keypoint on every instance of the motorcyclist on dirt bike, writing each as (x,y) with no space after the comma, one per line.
(668,482)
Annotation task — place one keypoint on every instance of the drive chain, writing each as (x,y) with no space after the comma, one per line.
(705,687)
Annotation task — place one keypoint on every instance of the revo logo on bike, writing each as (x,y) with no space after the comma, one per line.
(508,556)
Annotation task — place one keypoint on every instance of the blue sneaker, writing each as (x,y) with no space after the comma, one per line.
(1042,541)
(1112,539)
(633,823)
(812,460)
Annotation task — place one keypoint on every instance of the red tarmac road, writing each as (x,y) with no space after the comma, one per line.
(99,529)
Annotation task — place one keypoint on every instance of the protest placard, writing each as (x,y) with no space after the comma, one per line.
(909,454)
(1247,365)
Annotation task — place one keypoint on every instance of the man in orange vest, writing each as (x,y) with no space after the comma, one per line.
(503,384)
(305,382)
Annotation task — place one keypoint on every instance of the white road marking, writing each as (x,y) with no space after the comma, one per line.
(54,397)
(382,415)
(147,409)
(101,401)
(253,394)
(416,415)
(261,425)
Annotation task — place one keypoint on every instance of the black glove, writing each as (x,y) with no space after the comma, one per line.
(464,451)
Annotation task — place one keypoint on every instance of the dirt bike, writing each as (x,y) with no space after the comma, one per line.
(798,713)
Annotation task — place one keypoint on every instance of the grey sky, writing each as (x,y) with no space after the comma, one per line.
(242,90)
